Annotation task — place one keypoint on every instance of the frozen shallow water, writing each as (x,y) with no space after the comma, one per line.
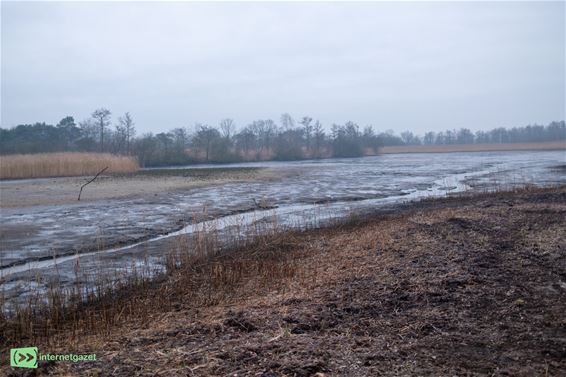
(121,233)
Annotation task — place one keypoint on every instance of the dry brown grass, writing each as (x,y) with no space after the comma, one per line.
(270,301)
(197,268)
(553,145)
(362,298)
(63,164)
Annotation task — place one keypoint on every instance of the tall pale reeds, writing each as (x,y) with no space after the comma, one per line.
(63,164)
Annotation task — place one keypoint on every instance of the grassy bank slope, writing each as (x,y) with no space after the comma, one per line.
(455,286)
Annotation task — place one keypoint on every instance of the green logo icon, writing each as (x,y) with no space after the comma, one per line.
(23,357)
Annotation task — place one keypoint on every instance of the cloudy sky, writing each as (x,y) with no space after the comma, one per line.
(418,66)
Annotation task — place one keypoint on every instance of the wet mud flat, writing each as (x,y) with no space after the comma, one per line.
(146,183)
(37,224)
(455,286)
(43,244)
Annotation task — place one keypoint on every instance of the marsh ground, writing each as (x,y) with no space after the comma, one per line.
(458,286)
(158,202)
(141,184)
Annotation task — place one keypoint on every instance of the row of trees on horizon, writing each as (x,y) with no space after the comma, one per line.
(260,140)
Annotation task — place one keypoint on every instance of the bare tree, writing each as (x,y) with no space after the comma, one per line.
(205,139)
(88,128)
(245,141)
(127,128)
(287,121)
(408,137)
(181,139)
(119,138)
(307,127)
(318,138)
(227,126)
(429,138)
(102,119)
(270,130)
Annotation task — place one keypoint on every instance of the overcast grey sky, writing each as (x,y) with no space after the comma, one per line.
(418,66)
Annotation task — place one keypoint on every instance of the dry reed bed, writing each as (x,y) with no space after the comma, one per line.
(197,268)
(63,164)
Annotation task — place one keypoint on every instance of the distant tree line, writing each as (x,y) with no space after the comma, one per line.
(554,131)
(260,140)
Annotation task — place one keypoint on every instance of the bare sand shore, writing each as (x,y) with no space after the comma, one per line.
(65,190)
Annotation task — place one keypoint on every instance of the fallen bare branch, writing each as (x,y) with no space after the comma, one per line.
(92,180)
